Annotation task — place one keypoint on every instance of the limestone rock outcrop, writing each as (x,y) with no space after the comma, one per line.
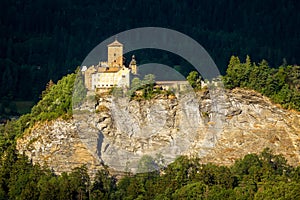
(56,144)
(218,127)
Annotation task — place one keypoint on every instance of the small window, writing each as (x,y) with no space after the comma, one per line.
(123,76)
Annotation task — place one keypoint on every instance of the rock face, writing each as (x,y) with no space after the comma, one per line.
(219,127)
(57,145)
(253,124)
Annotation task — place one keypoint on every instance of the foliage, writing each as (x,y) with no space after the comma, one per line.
(48,88)
(56,102)
(136,84)
(191,191)
(79,91)
(104,185)
(281,85)
(147,164)
(263,176)
(149,79)
(145,89)
(254,176)
(194,80)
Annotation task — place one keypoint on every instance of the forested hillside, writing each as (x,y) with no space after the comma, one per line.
(42,40)
(281,84)
(263,176)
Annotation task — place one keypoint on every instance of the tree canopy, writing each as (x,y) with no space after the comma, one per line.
(263,176)
(282,85)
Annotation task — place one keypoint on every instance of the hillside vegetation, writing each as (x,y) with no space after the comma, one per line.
(263,176)
(282,85)
(56,101)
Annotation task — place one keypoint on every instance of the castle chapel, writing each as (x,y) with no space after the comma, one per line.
(112,73)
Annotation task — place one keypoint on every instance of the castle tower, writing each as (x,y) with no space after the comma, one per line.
(132,66)
(88,77)
(115,54)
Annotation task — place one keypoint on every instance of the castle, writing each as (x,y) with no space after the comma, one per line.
(112,73)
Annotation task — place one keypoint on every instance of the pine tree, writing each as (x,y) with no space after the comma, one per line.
(49,85)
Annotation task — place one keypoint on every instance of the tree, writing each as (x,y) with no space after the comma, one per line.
(279,190)
(79,91)
(48,186)
(194,80)
(217,192)
(237,73)
(79,183)
(49,85)
(149,79)
(147,164)
(56,102)
(135,85)
(273,164)
(191,191)
(104,185)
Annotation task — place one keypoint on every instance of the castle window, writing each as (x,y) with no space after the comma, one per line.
(123,76)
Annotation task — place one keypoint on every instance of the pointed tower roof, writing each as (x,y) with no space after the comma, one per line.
(133,61)
(115,43)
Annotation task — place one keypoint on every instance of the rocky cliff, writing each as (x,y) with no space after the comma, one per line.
(218,127)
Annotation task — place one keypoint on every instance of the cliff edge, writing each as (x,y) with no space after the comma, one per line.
(117,133)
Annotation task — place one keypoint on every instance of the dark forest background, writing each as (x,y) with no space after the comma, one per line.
(42,40)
